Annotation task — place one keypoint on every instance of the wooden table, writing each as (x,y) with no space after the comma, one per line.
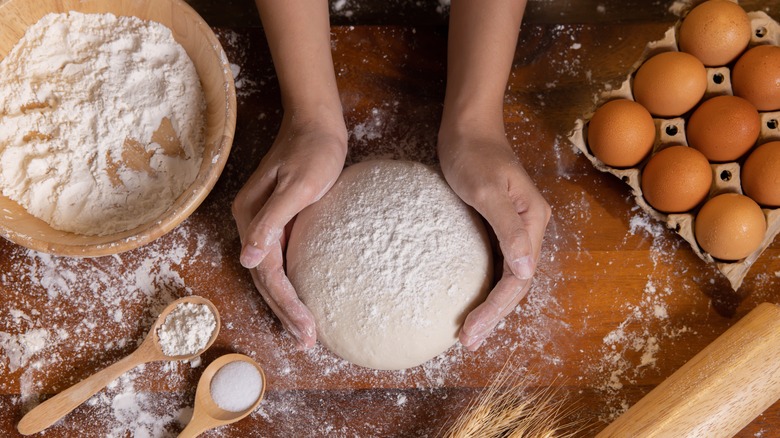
(619,302)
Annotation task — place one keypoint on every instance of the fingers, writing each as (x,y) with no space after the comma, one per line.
(267,267)
(513,237)
(251,198)
(281,297)
(267,226)
(481,321)
(518,215)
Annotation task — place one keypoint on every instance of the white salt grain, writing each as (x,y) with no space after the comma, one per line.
(187,329)
(236,386)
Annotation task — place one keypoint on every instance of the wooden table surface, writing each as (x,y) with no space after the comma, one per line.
(619,302)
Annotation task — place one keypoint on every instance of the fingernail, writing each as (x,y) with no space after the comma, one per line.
(522,268)
(474,330)
(478,345)
(473,337)
(300,345)
(251,256)
(473,343)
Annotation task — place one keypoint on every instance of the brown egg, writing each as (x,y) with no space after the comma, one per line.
(756,77)
(724,128)
(670,83)
(730,226)
(676,179)
(761,174)
(716,32)
(621,133)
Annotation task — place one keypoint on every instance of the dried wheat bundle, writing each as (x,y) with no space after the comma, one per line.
(507,409)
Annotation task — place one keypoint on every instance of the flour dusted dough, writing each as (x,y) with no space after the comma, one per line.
(390,262)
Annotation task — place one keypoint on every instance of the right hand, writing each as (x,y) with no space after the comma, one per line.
(302,165)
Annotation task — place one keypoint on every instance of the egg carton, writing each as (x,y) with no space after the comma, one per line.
(669,131)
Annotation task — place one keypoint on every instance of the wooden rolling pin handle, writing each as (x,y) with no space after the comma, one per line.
(718,392)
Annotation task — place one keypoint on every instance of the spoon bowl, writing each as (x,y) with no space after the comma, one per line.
(48,412)
(154,333)
(207,414)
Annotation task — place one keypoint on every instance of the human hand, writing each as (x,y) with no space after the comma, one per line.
(484,171)
(303,163)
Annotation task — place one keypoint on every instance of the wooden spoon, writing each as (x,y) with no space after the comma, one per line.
(48,412)
(207,414)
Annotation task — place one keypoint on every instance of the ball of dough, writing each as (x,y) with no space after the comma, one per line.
(390,261)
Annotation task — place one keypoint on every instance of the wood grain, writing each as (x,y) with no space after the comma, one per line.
(617,306)
(53,409)
(719,391)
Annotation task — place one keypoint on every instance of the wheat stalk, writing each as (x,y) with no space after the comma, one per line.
(506,409)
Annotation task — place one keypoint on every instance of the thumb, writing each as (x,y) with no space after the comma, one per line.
(513,237)
(267,227)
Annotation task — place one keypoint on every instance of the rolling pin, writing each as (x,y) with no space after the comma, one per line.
(718,392)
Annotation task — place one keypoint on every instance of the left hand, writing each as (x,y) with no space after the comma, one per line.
(484,171)
(303,163)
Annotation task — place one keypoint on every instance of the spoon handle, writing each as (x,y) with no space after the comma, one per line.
(48,412)
(196,426)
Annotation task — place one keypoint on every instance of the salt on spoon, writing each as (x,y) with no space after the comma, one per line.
(167,340)
(229,390)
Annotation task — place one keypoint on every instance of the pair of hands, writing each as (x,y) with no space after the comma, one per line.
(307,158)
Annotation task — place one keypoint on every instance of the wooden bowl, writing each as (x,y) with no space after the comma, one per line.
(202,46)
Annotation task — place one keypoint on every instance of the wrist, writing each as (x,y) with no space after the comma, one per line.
(314,97)
(325,120)
(473,111)
(471,123)
(326,104)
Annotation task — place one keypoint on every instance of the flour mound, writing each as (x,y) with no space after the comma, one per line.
(390,262)
(81,99)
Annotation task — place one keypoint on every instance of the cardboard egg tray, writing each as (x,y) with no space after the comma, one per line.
(726,176)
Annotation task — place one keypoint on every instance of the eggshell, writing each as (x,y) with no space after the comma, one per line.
(730,226)
(724,128)
(761,174)
(621,133)
(676,179)
(756,77)
(716,32)
(670,84)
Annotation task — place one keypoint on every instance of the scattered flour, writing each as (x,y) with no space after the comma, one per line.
(18,349)
(348,8)
(102,122)
(535,333)
(82,295)
(632,349)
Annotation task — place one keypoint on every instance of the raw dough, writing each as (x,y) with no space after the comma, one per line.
(390,261)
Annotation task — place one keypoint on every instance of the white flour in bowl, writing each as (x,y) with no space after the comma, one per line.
(101,122)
